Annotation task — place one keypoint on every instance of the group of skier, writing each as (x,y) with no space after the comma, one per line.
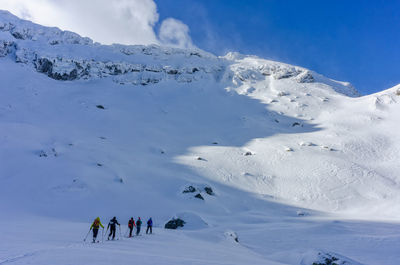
(112,225)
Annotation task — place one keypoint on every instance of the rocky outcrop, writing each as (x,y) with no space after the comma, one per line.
(174,223)
(66,56)
(6,47)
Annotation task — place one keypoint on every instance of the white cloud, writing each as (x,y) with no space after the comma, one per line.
(175,33)
(105,21)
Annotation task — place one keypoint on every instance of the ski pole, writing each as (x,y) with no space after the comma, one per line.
(106,232)
(120,237)
(102,238)
(87,235)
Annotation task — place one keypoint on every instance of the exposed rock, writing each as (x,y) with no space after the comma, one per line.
(209,190)
(174,223)
(100,106)
(118,179)
(285,72)
(189,189)
(301,213)
(172,72)
(53,150)
(305,77)
(42,153)
(296,124)
(232,235)
(315,257)
(198,196)
(248,153)
(306,144)
(6,47)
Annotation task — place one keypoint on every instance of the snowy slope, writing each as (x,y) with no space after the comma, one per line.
(90,130)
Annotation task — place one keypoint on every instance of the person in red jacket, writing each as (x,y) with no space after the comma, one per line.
(131,225)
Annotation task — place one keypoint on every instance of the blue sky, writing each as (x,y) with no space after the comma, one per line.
(355,41)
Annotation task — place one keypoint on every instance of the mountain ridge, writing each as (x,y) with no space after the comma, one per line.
(58,62)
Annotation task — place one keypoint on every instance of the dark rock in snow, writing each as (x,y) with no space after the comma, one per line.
(174,223)
(209,191)
(198,196)
(54,151)
(119,180)
(295,124)
(301,213)
(172,72)
(100,106)
(42,154)
(43,65)
(6,47)
(189,189)
(305,77)
(99,164)
(248,153)
(331,260)
(232,235)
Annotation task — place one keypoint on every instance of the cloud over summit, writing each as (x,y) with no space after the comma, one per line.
(105,21)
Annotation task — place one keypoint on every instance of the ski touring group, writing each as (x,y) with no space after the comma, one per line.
(112,227)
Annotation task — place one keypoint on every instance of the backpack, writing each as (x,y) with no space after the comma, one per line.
(96,223)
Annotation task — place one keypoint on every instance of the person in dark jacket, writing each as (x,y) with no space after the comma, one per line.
(112,225)
(149,226)
(131,225)
(138,225)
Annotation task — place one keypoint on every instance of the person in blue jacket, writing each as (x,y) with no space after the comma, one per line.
(149,226)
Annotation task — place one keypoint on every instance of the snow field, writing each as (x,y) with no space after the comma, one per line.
(301,168)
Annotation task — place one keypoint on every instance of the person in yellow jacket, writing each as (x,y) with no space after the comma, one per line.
(95,226)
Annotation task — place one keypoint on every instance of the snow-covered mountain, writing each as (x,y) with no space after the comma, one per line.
(90,130)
